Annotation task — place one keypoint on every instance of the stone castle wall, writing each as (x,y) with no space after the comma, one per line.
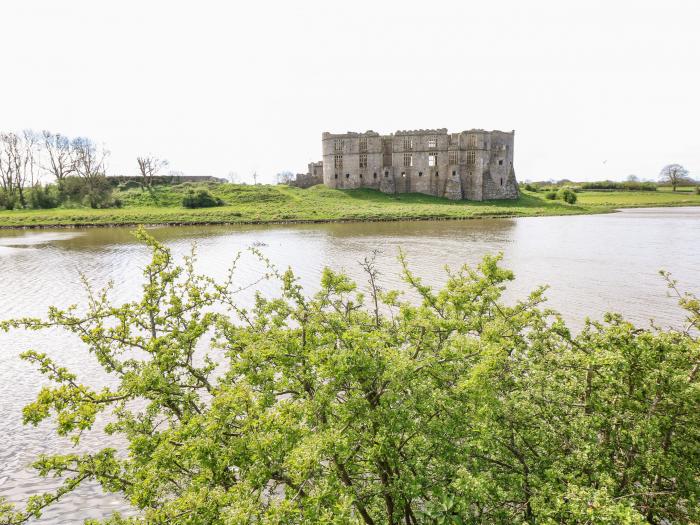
(473,165)
(312,177)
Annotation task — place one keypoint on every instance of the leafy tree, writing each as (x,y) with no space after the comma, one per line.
(674,174)
(351,407)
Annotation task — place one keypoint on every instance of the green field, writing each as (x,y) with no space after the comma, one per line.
(274,204)
(619,199)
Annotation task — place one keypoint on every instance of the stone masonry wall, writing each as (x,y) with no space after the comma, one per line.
(474,164)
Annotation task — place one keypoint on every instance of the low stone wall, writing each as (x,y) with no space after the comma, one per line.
(306,180)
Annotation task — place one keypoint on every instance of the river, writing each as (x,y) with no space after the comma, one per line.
(593,264)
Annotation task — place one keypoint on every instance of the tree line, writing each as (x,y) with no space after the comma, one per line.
(76,168)
(366,408)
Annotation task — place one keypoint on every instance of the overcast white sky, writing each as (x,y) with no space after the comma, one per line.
(594,89)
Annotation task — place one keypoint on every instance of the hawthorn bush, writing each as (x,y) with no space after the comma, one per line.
(365,408)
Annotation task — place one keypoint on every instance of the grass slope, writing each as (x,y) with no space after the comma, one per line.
(260,204)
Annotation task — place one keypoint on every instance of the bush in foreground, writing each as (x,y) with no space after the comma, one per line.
(346,407)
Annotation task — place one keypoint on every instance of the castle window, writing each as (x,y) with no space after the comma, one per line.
(432,142)
(360,175)
(407,159)
(454,157)
(471,158)
(338,145)
(336,175)
(471,141)
(501,181)
(403,174)
(454,173)
(363,143)
(437,174)
(338,159)
(500,163)
(432,159)
(386,173)
(407,143)
(347,175)
(420,173)
(375,175)
(363,160)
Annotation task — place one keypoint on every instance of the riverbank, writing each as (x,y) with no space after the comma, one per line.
(267,204)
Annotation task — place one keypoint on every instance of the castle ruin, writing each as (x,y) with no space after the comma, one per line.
(474,165)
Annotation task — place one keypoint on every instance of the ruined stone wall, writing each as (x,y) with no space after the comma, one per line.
(474,164)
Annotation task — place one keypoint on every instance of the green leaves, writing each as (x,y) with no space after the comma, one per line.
(352,407)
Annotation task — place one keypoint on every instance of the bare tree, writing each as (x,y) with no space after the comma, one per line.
(233,177)
(89,158)
(285,177)
(149,167)
(90,165)
(632,178)
(17,164)
(255,178)
(673,174)
(60,159)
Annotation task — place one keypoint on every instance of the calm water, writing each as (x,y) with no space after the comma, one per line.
(592,263)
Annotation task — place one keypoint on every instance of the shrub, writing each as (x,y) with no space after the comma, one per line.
(567,195)
(550,195)
(130,184)
(201,198)
(95,192)
(530,187)
(460,407)
(8,201)
(44,197)
(697,190)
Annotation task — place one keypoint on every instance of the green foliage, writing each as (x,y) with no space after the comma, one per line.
(129,185)
(95,192)
(200,198)
(351,407)
(567,195)
(626,185)
(530,187)
(8,200)
(697,190)
(550,195)
(44,197)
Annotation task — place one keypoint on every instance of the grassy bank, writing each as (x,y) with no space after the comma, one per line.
(261,204)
